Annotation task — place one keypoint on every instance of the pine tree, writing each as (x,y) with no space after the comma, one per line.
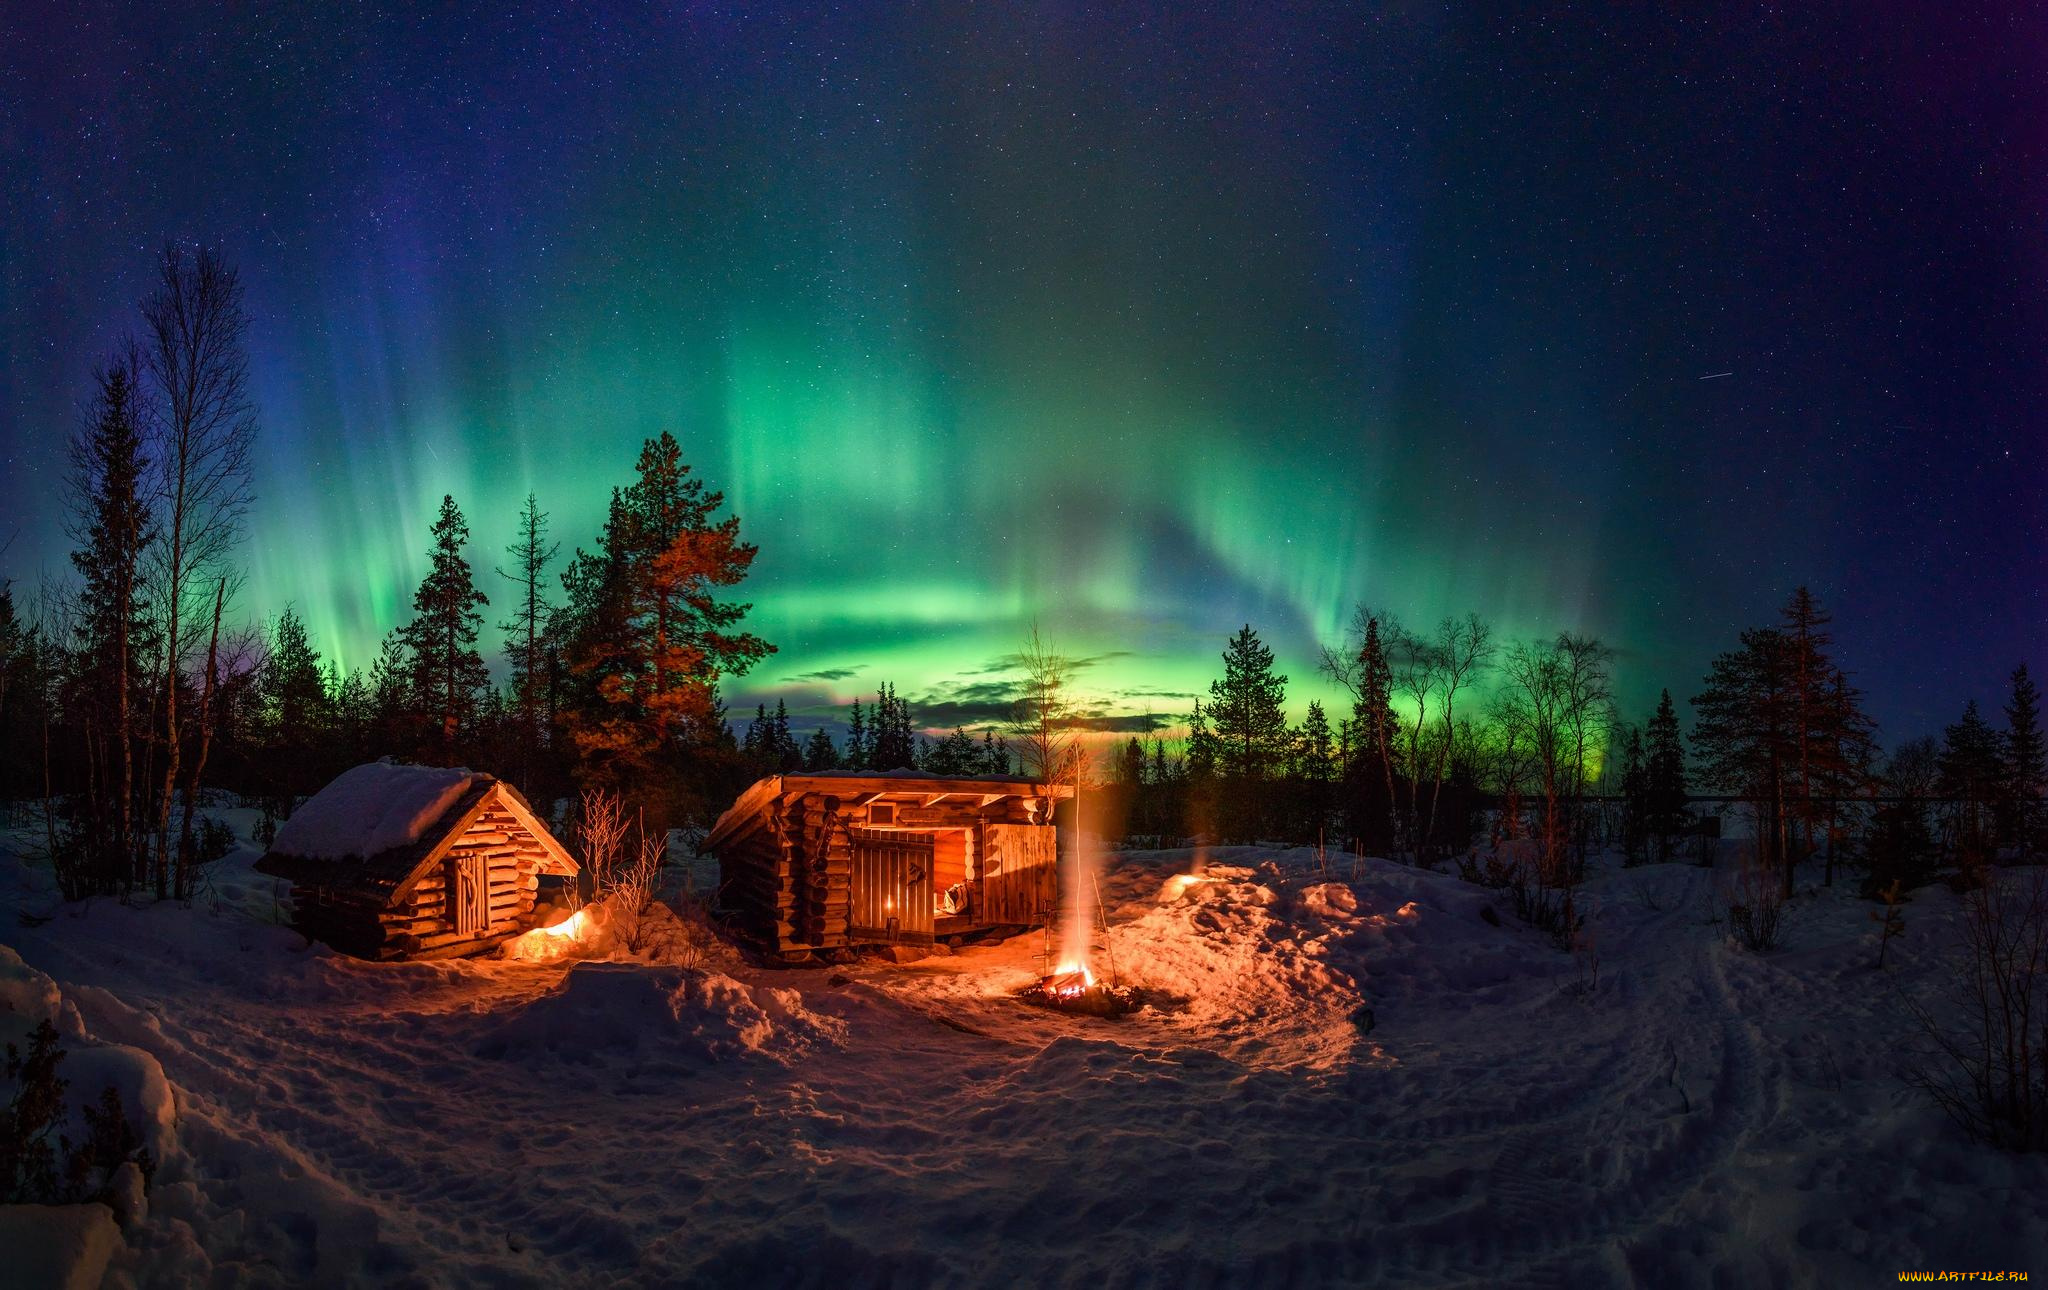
(819,754)
(1248,707)
(759,740)
(391,710)
(113,519)
(447,673)
(1664,791)
(293,686)
(857,755)
(995,754)
(526,634)
(1374,723)
(1202,755)
(652,638)
(789,755)
(1971,765)
(1745,735)
(1315,758)
(1635,796)
(2026,763)
(892,744)
(1130,765)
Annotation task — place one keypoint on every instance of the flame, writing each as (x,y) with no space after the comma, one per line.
(544,944)
(1070,980)
(571,927)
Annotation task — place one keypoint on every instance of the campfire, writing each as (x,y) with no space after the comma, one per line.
(1071,987)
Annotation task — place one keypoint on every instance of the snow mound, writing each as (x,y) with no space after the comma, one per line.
(28,998)
(371,809)
(1242,966)
(61,1247)
(684,1013)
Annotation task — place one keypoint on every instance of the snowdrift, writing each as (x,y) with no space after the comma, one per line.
(682,1015)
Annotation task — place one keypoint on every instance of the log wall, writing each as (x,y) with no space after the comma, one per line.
(787,873)
(422,921)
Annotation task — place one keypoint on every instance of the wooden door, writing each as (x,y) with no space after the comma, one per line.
(469,895)
(891,892)
(1019,874)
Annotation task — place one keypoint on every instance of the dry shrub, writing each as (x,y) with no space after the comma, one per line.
(602,826)
(1985,1059)
(1756,905)
(632,887)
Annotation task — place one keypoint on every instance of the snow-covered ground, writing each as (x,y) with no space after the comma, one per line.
(1339,1079)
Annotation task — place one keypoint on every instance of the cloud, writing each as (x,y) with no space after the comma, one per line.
(1140,723)
(827,674)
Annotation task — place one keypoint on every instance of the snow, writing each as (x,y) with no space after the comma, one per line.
(371,809)
(57,1247)
(1346,1077)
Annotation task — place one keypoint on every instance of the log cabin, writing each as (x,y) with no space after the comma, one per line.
(830,859)
(396,862)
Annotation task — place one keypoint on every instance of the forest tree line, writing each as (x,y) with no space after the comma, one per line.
(127,688)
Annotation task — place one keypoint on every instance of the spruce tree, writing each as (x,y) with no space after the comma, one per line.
(2026,763)
(652,636)
(113,621)
(995,754)
(819,754)
(1375,726)
(1248,708)
(857,740)
(526,634)
(1971,774)
(1664,792)
(789,755)
(447,672)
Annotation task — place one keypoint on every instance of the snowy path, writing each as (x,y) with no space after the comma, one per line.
(437,1124)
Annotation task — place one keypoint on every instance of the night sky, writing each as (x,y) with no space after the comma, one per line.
(1140,323)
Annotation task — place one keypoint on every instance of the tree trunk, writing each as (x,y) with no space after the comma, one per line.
(186,849)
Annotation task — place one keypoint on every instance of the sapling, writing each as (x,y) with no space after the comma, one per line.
(1891,919)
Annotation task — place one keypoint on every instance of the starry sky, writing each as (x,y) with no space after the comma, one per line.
(1138,321)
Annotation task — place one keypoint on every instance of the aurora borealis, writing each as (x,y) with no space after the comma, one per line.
(1139,323)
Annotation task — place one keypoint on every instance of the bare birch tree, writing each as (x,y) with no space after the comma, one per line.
(195,330)
(1043,717)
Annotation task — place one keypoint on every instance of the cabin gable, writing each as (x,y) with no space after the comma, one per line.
(470,881)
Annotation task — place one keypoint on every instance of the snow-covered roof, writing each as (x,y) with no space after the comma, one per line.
(372,809)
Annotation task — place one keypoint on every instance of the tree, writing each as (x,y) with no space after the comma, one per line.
(526,635)
(819,754)
(295,706)
(1373,717)
(1314,767)
(789,755)
(1744,734)
(111,518)
(2026,764)
(391,720)
(445,669)
(1970,768)
(956,754)
(195,356)
(1635,796)
(1463,648)
(1248,707)
(1557,703)
(995,753)
(857,740)
(1042,716)
(655,638)
(1664,790)
(891,744)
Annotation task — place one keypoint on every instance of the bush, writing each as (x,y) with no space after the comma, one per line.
(1756,906)
(1985,1063)
(36,1171)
